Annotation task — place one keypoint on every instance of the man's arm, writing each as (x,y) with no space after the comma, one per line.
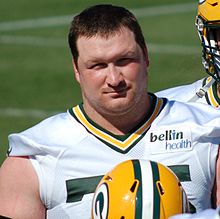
(19,190)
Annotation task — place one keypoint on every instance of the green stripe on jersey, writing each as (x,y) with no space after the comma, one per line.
(77,188)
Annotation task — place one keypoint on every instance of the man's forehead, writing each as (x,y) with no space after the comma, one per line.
(122,38)
(107,34)
(108,54)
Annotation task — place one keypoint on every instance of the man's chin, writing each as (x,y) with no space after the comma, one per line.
(117,108)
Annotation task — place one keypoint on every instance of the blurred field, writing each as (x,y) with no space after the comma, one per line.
(36,77)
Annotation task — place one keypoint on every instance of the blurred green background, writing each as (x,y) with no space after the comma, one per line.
(36,76)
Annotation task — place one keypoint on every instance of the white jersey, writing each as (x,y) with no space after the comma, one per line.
(187,93)
(71,153)
(206,214)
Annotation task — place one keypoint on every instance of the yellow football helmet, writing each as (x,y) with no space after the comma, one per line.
(208,22)
(139,189)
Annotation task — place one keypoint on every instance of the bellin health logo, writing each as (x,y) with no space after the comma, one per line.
(173,140)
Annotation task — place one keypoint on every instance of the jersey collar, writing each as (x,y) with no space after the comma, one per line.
(121,143)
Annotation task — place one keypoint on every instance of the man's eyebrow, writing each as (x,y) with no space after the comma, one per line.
(94,60)
(129,53)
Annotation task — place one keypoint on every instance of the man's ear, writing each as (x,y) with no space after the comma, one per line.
(76,72)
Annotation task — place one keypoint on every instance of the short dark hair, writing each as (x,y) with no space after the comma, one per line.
(103,20)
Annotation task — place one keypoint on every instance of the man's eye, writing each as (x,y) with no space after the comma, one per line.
(98,66)
(124,61)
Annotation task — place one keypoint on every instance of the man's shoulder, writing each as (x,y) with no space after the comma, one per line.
(46,127)
(193,111)
(182,92)
(51,135)
(196,120)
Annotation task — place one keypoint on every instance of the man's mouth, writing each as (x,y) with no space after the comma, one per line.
(118,92)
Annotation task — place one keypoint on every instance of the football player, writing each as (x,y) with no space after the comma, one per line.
(206,90)
(53,168)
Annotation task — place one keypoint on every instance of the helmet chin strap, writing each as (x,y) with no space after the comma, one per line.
(202,91)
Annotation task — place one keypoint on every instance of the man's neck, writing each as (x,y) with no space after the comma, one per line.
(120,124)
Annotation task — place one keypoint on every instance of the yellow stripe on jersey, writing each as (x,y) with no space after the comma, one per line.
(211,94)
(211,97)
(112,140)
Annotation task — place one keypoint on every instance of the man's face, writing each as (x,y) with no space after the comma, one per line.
(111,72)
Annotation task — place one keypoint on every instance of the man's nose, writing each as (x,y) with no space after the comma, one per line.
(114,75)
